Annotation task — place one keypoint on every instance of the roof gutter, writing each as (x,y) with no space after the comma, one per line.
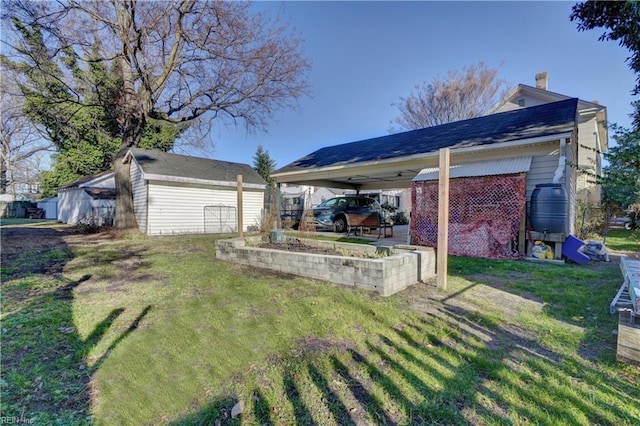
(434,154)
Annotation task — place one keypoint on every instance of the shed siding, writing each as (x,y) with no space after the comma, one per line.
(50,208)
(179,209)
(253,204)
(73,204)
(139,187)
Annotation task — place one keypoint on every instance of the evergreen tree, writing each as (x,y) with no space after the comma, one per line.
(621,180)
(264,165)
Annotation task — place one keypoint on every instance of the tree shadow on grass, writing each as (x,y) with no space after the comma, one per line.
(448,366)
(576,295)
(45,377)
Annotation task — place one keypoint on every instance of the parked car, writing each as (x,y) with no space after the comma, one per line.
(331,213)
(624,221)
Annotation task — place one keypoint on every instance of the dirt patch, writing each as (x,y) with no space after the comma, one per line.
(311,345)
(295,245)
(42,250)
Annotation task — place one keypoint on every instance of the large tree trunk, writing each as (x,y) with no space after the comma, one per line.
(132,119)
(125,217)
(3,177)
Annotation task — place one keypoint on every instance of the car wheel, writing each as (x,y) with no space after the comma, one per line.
(340,224)
(627,225)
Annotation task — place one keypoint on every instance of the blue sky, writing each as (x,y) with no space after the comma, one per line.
(366,55)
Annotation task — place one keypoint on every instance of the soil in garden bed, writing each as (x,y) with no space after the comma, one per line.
(300,247)
(296,245)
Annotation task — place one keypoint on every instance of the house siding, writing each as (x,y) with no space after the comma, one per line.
(571,183)
(544,163)
(589,160)
(178,209)
(586,190)
(543,168)
(139,188)
(513,104)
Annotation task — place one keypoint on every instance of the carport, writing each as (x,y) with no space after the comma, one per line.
(392,161)
(543,133)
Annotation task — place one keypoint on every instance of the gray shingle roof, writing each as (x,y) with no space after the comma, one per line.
(162,163)
(537,121)
(85,179)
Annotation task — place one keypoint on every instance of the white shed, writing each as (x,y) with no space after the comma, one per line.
(177,194)
(50,207)
(90,196)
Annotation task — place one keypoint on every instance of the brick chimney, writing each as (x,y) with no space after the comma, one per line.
(542,80)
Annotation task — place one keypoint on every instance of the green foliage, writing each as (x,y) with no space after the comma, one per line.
(264,165)
(621,181)
(621,21)
(81,121)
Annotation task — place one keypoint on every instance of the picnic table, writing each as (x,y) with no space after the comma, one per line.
(35,213)
(627,304)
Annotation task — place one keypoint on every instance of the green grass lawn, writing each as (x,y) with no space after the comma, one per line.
(623,240)
(157,331)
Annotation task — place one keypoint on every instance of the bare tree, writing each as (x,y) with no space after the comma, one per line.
(21,143)
(179,61)
(460,95)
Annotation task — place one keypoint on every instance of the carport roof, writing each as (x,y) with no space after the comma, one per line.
(526,123)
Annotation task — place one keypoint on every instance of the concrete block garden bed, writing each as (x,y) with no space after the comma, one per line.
(386,270)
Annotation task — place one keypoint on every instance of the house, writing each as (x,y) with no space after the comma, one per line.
(92,196)
(178,194)
(592,136)
(321,194)
(523,147)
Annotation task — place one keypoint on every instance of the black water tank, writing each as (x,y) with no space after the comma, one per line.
(549,208)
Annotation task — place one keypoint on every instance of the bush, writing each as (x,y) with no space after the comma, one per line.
(400,218)
(268,219)
(93,223)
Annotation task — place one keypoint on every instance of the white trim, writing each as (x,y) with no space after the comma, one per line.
(180,179)
(544,95)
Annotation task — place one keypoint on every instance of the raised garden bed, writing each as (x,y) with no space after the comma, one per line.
(386,270)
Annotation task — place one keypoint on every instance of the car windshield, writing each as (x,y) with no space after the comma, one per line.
(329,203)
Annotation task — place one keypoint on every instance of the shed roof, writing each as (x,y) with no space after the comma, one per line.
(526,123)
(158,164)
(87,180)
